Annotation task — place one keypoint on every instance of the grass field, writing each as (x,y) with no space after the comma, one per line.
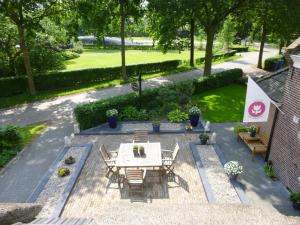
(29,133)
(223,104)
(95,58)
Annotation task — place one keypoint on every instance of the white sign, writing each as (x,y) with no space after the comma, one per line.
(257,104)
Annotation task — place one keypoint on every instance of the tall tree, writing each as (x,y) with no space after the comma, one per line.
(26,15)
(105,17)
(211,15)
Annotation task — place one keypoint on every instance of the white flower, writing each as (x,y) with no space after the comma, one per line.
(233,168)
(256,109)
(111,112)
(195,111)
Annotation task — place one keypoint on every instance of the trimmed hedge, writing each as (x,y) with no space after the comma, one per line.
(216,57)
(92,114)
(240,49)
(59,80)
(271,63)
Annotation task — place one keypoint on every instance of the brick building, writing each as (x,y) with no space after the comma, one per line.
(283,125)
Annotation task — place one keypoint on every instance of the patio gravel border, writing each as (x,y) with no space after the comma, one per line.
(64,197)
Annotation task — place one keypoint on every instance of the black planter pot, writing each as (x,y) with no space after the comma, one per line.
(112,122)
(203,141)
(194,119)
(252,134)
(156,128)
(296,206)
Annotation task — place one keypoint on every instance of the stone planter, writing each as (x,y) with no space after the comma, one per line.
(203,141)
(112,122)
(194,119)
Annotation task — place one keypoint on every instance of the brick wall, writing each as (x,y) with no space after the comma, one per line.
(285,146)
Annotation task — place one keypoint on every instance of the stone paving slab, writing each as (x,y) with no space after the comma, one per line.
(129,127)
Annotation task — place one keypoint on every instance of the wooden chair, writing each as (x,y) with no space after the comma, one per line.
(135,179)
(140,136)
(168,161)
(108,159)
(260,146)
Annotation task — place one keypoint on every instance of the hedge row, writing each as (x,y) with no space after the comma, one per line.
(216,57)
(240,49)
(59,80)
(274,63)
(92,114)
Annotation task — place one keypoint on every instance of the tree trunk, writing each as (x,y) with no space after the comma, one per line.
(262,44)
(281,46)
(192,50)
(26,60)
(122,13)
(209,51)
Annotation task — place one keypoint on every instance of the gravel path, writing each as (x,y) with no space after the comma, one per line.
(224,192)
(19,180)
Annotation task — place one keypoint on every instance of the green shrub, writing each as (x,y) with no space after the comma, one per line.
(270,63)
(240,49)
(63,171)
(269,171)
(63,79)
(131,113)
(240,128)
(295,197)
(176,116)
(10,137)
(93,114)
(68,55)
(216,57)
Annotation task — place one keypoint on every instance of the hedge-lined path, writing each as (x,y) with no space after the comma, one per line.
(19,179)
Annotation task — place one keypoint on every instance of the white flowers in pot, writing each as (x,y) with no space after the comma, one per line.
(112,113)
(194,111)
(233,168)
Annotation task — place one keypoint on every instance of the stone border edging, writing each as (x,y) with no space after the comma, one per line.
(118,132)
(240,192)
(205,182)
(63,199)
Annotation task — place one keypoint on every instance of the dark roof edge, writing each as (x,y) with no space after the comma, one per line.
(270,75)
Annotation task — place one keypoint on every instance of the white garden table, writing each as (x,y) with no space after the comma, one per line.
(127,159)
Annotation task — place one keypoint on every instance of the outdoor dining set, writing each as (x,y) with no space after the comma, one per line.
(138,157)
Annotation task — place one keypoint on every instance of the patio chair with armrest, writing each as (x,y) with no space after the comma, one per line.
(108,159)
(135,179)
(140,136)
(169,158)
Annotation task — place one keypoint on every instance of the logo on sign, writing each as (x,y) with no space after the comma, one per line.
(256,109)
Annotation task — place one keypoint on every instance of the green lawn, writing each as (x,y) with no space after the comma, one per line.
(29,133)
(95,58)
(223,104)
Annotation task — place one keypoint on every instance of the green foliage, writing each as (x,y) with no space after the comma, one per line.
(68,55)
(63,171)
(269,171)
(240,128)
(177,116)
(203,137)
(295,197)
(10,137)
(92,114)
(271,62)
(228,32)
(131,113)
(57,80)
(240,49)
(217,57)
(77,46)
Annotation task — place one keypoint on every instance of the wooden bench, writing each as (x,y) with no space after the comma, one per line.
(258,144)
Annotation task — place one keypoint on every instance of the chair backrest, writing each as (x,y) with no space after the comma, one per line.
(104,153)
(264,139)
(133,174)
(175,152)
(140,136)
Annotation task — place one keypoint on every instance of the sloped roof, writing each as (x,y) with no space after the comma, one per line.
(273,84)
(294,45)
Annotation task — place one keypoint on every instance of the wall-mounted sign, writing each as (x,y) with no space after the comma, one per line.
(257,104)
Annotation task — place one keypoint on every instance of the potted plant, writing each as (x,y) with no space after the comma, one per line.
(295,199)
(203,138)
(63,171)
(112,115)
(269,170)
(233,169)
(156,126)
(252,131)
(188,127)
(70,160)
(194,114)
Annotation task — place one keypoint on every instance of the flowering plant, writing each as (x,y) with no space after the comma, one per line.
(233,168)
(194,111)
(111,113)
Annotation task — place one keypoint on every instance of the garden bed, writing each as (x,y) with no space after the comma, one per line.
(52,191)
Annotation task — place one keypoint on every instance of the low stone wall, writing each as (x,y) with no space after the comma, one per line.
(11,213)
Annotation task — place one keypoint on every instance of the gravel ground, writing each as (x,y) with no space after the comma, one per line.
(56,185)
(224,192)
